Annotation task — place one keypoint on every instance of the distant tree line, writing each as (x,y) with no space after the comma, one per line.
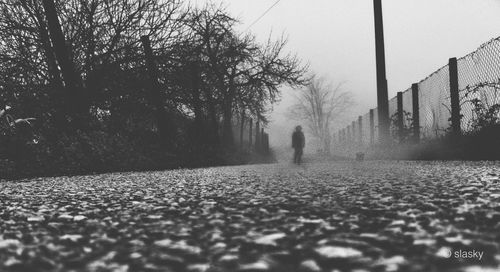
(320,105)
(80,68)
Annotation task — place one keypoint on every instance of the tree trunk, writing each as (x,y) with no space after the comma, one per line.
(77,101)
(92,79)
(164,120)
(213,125)
(326,143)
(44,40)
(227,128)
(56,82)
(242,128)
(257,135)
(55,76)
(199,129)
(90,37)
(227,111)
(250,123)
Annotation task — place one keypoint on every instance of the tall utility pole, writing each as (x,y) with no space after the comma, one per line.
(382,96)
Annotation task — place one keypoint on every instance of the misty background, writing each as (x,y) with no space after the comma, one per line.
(337,39)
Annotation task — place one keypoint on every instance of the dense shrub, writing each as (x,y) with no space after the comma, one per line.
(86,152)
(96,151)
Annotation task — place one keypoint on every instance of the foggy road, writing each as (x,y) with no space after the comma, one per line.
(331,216)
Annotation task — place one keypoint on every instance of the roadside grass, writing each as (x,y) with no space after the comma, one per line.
(473,146)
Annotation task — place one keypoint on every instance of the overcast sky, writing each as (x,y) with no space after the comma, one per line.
(336,37)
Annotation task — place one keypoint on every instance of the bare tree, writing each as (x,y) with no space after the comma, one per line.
(78,66)
(320,105)
(244,74)
(83,55)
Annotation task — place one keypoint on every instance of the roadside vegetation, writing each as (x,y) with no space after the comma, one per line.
(131,85)
(480,139)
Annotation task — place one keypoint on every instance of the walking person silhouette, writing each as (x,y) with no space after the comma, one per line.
(298,143)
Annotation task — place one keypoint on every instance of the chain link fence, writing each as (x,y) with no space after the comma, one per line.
(434,100)
(479,78)
(478,90)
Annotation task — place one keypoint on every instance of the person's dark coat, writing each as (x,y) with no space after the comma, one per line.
(298,140)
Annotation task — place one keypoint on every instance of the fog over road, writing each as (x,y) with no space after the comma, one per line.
(330,216)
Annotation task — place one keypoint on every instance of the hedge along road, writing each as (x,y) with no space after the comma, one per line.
(336,216)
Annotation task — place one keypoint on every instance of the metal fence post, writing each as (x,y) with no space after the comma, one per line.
(349,136)
(354,132)
(416,113)
(360,128)
(372,127)
(400,124)
(454,97)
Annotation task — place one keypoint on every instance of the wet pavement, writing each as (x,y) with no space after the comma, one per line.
(332,216)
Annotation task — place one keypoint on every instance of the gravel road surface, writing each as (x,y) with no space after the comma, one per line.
(331,216)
